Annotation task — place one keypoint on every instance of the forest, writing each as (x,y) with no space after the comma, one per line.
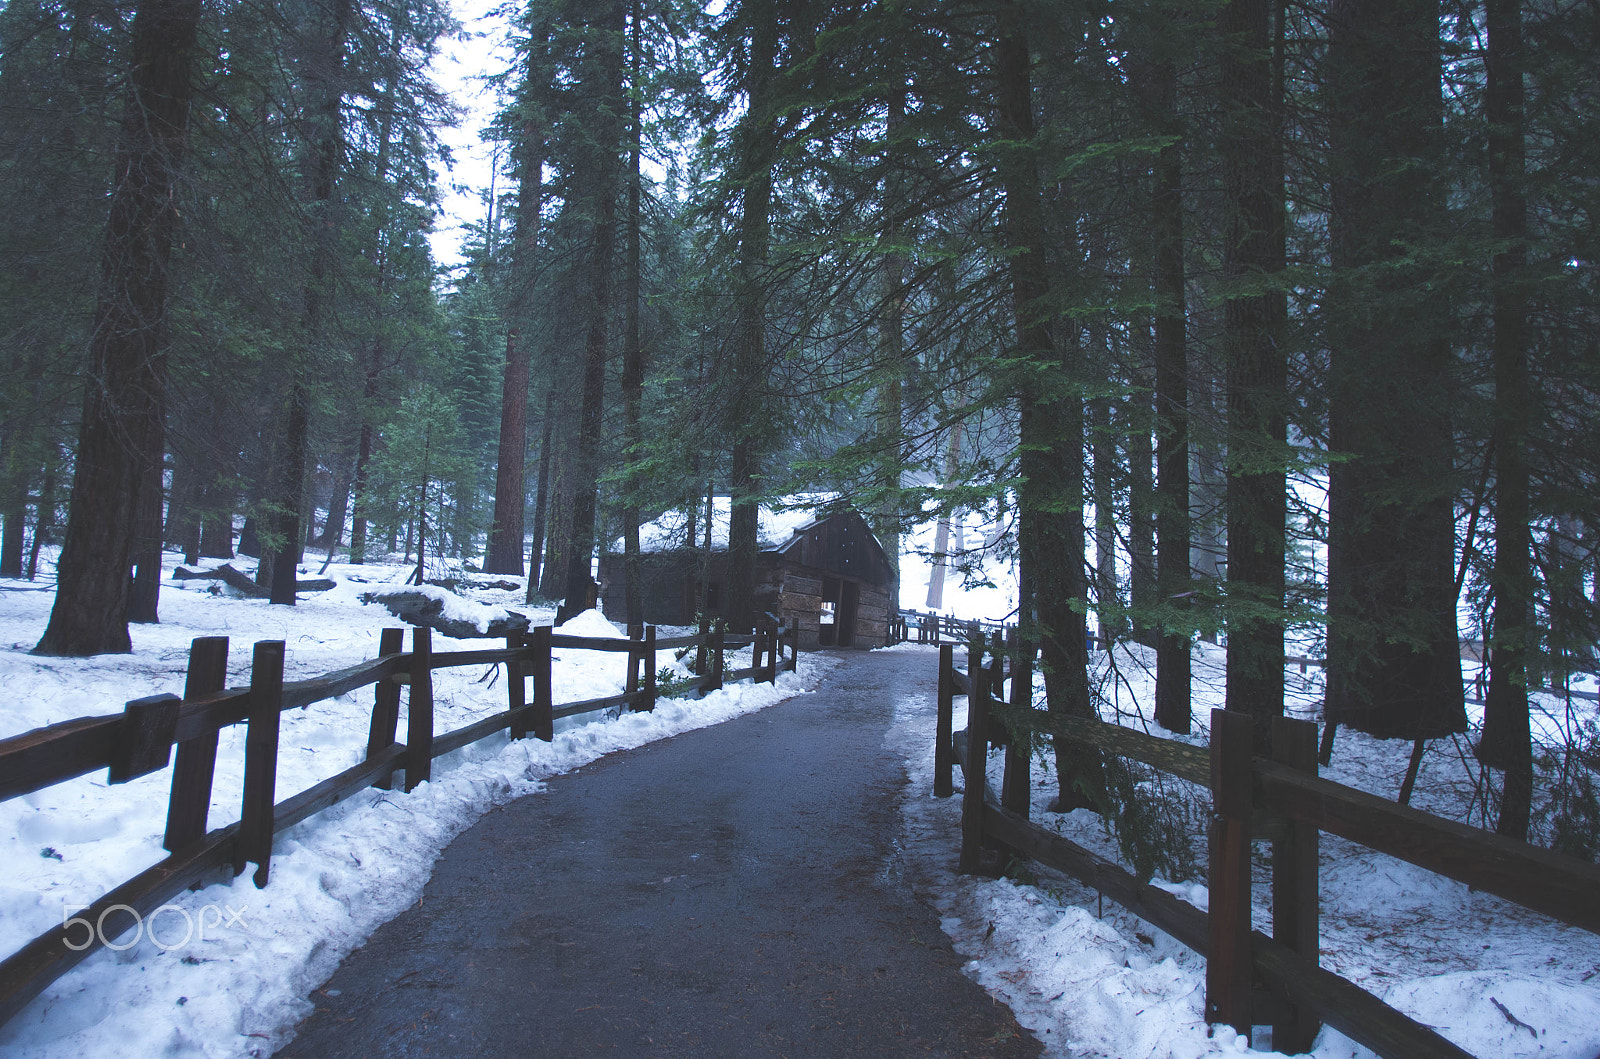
(1268,322)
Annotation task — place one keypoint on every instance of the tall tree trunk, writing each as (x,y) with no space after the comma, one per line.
(127,347)
(632,341)
(144,596)
(1394,667)
(758,146)
(541,499)
(322,158)
(1141,512)
(1507,741)
(1050,498)
(1103,447)
(603,169)
(558,519)
(1257,366)
(338,503)
(13,504)
(1173,525)
(44,518)
(890,392)
(504,555)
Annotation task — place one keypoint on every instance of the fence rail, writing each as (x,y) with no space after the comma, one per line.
(1250,978)
(140,741)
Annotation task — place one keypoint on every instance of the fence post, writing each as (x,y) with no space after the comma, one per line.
(189,802)
(977,761)
(543,720)
(260,761)
(1015,789)
(774,648)
(635,658)
(385,704)
(419,709)
(1294,880)
(719,633)
(944,758)
(793,664)
(648,657)
(699,667)
(516,686)
(1228,960)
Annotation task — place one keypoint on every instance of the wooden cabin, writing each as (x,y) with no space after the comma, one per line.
(831,578)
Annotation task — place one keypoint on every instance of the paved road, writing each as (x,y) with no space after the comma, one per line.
(733,891)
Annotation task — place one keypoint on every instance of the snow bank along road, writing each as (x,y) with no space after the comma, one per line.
(732,891)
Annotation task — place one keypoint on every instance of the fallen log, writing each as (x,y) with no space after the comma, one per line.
(465,619)
(235,579)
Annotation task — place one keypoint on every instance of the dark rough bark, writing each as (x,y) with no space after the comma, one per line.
(632,340)
(758,145)
(504,555)
(144,596)
(603,169)
(127,347)
(1393,660)
(44,521)
(1507,741)
(1141,514)
(541,500)
(1050,498)
(1253,325)
(13,507)
(1103,446)
(1173,708)
(558,510)
(322,159)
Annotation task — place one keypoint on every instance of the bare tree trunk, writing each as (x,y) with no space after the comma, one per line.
(1507,740)
(504,555)
(632,343)
(326,69)
(127,348)
(603,170)
(1394,668)
(757,144)
(1257,368)
(1173,527)
(1050,498)
(145,594)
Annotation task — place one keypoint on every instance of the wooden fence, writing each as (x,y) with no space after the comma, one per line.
(935,628)
(1251,979)
(139,741)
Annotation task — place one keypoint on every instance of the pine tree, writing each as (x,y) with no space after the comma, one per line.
(123,401)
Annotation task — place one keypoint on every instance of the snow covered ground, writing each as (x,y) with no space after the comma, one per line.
(225,970)
(1090,979)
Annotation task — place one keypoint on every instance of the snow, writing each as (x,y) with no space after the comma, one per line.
(228,968)
(1091,979)
(454,607)
(1088,978)
(775,523)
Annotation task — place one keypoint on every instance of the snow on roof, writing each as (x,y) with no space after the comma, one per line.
(775,523)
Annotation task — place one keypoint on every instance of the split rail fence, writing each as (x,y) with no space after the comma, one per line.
(1251,978)
(139,741)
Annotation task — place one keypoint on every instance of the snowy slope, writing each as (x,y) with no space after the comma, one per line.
(1090,979)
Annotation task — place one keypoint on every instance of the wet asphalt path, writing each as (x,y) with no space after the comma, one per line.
(733,891)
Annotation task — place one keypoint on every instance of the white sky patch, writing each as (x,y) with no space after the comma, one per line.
(459,71)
